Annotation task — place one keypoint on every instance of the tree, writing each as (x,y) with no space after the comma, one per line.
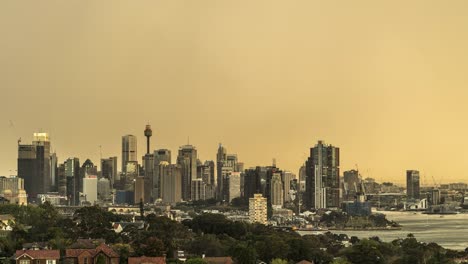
(279,261)
(195,261)
(364,252)
(242,253)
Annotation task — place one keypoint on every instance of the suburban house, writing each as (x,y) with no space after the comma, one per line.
(102,254)
(146,260)
(218,260)
(37,256)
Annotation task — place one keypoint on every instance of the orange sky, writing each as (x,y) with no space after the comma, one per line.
(386,81)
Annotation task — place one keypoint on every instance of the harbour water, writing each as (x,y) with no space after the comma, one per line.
(449,231)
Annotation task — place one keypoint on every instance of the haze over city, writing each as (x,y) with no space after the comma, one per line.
(384,82)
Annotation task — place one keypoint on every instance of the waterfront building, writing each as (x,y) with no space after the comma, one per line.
(258,209)
(322,177)
(351,184)
(412,184)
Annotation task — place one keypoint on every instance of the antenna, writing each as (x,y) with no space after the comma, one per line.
(100,152)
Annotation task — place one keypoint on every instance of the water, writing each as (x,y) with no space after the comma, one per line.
(449,231)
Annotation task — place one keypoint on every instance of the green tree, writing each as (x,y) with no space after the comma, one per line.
(195,261)
(242,253)
(279,261)
(364,252)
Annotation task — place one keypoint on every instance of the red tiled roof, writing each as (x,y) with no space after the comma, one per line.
(39,254)
(304,262)
(73,253)
(218,260)
(144,259)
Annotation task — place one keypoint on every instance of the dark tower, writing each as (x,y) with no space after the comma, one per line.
(148,134)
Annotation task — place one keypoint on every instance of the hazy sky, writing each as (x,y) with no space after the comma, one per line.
(386,81)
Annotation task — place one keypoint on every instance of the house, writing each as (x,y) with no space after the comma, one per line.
(102,254)
(36,246)
(37,256)
(218,260)
(146,260)
(305,262)
(6,222)
(120,226)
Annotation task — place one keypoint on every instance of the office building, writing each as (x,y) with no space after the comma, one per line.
(286,178)
(73,180)
(171,182)
(234,183)
(322,177)
(221,160)
(198,190)
(351,184)
(109,170)
(90,189)
(277,191)
(187,160)
(139,189)
(160,155)
(34,165)
(258,209)
(412,184)
(104,190)
(53,172)
(129,151)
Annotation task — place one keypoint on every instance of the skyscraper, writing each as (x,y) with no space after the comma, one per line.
(171,182)
(109,170)
(351,184)
(221,159)
(160,155)
(73,179)
(412,184)
(187,160)
(34,165)
(322,177)
(277,191)
(129,151)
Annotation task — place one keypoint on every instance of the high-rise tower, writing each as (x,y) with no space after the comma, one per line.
(148,134)
(34,165)
(322,177)
(187,159)
(129,151)
(412,184)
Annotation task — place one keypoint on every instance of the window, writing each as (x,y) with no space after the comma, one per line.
(24,261)
(85,260)
(51,261)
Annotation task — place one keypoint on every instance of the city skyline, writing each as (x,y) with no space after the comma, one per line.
(385,82)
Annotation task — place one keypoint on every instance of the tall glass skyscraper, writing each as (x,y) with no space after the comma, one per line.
(129,151)
(322,177)
(412,184)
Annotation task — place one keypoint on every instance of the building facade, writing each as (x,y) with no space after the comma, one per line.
(412,184)
(129,151)
(258,209)
(322,177)
(187,160)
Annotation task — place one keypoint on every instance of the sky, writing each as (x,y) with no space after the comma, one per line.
(385,81)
